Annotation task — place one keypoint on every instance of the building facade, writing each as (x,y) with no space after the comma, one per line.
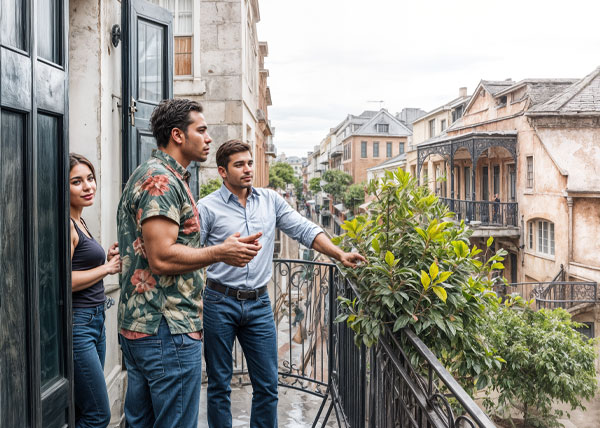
(365,145)
(534,143)
(219,62)
(86,81)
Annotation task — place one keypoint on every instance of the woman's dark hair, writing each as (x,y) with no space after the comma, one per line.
(76,159)
(169,114)
(229,148)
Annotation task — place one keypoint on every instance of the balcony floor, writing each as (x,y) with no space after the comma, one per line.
(296,409)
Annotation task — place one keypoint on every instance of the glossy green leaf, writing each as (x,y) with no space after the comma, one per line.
(425,280)
(389,258)
(440,292)
(433,270)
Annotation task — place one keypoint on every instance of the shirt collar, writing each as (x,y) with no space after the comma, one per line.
(170,161)
(226,193)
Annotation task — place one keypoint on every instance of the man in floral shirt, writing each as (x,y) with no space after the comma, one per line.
(160,309)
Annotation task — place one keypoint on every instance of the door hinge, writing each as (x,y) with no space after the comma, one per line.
(132,110)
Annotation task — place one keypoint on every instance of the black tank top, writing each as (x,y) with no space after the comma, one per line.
(88,254)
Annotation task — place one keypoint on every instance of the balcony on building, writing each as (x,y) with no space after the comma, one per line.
(336,151)
(324,158)
(468,171)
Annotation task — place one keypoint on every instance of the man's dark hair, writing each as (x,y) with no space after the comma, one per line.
(229,148)
(169,114)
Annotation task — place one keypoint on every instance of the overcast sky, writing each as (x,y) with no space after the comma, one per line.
(328,58)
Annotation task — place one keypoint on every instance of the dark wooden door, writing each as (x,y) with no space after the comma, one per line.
(147,79)
(147,76)
(35,288)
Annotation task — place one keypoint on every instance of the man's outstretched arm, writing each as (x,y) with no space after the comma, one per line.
(167,257)
(324,245)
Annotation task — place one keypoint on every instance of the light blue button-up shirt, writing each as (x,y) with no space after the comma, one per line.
(221,215)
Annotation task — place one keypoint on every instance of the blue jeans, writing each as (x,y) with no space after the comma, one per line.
(252,322)
(164,374)
(89,349)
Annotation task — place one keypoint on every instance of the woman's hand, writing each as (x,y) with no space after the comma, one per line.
(113,265)
(112,251)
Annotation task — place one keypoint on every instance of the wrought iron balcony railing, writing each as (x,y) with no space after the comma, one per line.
(377,387)
(557,293)
(503,214)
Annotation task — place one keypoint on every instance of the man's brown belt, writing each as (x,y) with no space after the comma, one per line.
(236,292)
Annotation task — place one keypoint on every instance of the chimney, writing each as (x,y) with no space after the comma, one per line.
(462,92)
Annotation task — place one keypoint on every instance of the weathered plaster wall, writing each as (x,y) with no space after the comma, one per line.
(95,132)
(575,150)
(586,233)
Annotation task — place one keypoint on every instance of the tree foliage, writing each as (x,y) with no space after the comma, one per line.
(354,195)
(275,182)
(209,187)
(280,175)
(336,183)
(547,361)
(314,185)
(422,273)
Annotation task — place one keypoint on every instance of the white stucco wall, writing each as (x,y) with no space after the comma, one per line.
(95,132)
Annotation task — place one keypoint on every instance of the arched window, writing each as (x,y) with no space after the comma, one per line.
(540,236)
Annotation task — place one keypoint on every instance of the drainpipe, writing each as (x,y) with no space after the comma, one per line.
(570,246)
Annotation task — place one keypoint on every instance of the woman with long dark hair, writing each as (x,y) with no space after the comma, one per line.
(89,270)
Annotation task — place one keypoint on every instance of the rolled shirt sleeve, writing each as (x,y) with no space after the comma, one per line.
(293,224)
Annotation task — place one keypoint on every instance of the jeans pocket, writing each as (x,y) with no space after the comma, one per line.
(211,296)
(264,300)
(81,318)
(184,341)
(148,354)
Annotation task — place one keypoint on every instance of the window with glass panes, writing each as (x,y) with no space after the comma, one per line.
(545,238)
(388,149)
(530,234)
(530,172)
(375,149)
(363,149)
(401,148)
(182,32)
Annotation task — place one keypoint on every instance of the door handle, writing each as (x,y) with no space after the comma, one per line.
(132,110)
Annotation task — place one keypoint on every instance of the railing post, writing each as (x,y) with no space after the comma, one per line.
(332,316)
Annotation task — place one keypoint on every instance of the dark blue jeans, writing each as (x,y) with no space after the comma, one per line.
(251,321)
(89,349)
(164,374)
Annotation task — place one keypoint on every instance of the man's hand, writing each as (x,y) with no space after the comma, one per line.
(238,251)
(112,251)
(351,259)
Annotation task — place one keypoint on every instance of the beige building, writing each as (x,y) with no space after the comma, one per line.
(382,136)
(432,125)
(220,63)
(264,149)
(535,143)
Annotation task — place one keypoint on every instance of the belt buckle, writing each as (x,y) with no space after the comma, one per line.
(238,295)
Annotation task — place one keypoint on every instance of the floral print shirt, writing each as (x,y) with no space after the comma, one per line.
(158,187)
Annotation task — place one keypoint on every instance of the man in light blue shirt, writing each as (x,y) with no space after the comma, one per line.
(236,302)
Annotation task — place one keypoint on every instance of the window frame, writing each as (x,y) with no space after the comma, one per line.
(431,128)
(541,237)
(529,172)
(364,149)
(375,149)
(383,128)
(177,35)
(389,150)
(401,148)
